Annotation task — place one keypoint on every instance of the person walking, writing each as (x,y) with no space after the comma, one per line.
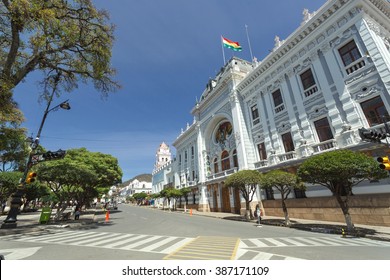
(77,212)
(258,214)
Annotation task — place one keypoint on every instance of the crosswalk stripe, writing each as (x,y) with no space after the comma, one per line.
(136,244)
(45,236)
(158,244)
(64,239)
(96,237)
(294,242)
(275,242)
(258,243)
(308,241)
(177,245)
(108,240)
(123,241)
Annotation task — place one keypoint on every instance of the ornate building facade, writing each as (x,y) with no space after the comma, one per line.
(310,95)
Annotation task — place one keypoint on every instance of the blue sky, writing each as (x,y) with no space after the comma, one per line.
(165,51)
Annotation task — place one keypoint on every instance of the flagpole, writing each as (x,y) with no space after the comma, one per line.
(223,52)
(249,42)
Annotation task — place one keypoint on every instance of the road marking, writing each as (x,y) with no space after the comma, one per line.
(207,248)
(136,244)
(19,253)
(119,241)
(158,244)
(309,241)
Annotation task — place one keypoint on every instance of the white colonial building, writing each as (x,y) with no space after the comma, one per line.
(139,184)
(311,94)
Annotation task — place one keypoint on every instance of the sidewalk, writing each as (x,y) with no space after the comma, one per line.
(30,222)
(89,217)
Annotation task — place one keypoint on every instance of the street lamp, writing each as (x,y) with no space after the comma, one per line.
(16,201)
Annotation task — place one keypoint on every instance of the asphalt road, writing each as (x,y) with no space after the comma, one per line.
(140,233)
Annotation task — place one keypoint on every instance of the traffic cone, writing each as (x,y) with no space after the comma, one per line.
(107,215)
(190,211)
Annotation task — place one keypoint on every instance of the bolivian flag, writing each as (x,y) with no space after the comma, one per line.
(235,46)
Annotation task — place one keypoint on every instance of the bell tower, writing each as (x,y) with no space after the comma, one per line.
(163,155)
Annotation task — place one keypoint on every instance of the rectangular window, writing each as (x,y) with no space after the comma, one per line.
(262,151)
(277,96)
(307,79)
(255,112)
(349,53)
(374,110)
(288,142)
(278,101)
(323,129)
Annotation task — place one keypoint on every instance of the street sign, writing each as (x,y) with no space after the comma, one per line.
(36,158)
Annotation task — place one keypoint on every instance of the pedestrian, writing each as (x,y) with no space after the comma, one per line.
(77,212)
(258,214)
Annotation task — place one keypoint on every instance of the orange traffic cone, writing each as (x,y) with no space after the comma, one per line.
(107,215)
(190,211)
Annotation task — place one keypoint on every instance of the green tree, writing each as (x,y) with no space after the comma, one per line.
(8,184)
(284,182)
(57,36)
(140,197)
(81,175)
(13,145)
(184,193)
(246,181)
(35,191)
(340,171)
(169,194)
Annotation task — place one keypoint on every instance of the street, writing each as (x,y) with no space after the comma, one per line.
(141,233)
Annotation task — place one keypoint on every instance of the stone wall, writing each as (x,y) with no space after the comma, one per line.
(373,209)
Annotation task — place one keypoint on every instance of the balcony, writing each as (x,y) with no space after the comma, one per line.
(191,183)
(287,156)
(261,163)
(310,91)
(222,174)
(356,65)
(279,109)
(324,146)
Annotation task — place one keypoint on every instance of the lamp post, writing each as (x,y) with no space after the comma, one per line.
(16,201)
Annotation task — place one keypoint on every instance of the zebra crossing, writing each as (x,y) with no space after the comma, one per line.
(183,247)
(248,248)
(106,240)
(310,241)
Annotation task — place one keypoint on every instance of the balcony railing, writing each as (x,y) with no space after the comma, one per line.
(279,109)
(192,183)
(261,163)
(311,90)
(356,65)
(222,174)
(287,156)
(325,145)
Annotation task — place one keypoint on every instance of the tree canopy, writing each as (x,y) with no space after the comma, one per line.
(246,181)
(340,171)
(80,175)
(57,36)
(284,182)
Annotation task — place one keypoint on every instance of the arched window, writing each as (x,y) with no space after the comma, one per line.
(235,159)
(216,165)
(225,161)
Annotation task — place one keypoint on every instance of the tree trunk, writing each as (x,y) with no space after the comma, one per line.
(247,211)
(285,211)
(345,208)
